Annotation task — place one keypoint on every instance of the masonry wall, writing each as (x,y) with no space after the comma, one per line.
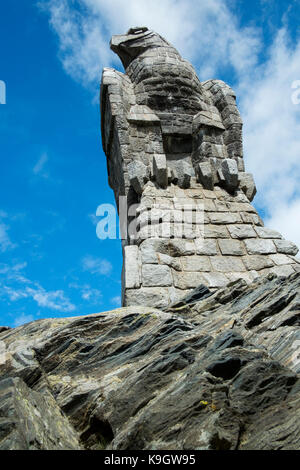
(232,243)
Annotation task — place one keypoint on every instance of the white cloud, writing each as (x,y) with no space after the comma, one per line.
(5,241)
(88,293)
(39,167)
(116,301)
(16,286)
(96,265)
(53,300)
(204,31)
(272,129)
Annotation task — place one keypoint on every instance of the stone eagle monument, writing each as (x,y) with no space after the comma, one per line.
(174,149)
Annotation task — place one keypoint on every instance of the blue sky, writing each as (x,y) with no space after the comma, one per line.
(53,172)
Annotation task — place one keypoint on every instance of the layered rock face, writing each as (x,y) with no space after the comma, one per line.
(217,370)
(174,149)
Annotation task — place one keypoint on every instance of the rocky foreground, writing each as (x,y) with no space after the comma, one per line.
(214,371)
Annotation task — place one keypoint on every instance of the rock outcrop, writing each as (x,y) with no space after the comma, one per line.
(175,150)
(217,370)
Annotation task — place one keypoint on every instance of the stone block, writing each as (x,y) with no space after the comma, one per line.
(224,218)
(206,247)
(231,247)
(160,170)
(205,175)
(169,261)
(196,263)
(184,173)
(242,231)
(147,296)
(188,280)
(281,259)
(215,231)
(131,267)
(138,175)
(286,247)
(285,271)
(264,232)
(156,276)
(230,172)
(260,247)
(180,247)
(247,185)
(148,250)
(208,205)
(227,264)
(257,262)
(215,280)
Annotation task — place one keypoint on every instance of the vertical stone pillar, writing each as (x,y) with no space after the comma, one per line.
(174,150)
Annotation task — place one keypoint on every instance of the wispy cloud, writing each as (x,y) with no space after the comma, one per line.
(204,31)
(5,241)
(116,301)
(39,168)
(271,133)
(88,293)
(96,265)
(15,285)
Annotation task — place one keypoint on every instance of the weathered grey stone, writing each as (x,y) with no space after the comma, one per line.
(230,172)
(138,175)
(181,247)
(196,263)
(281,259)
(225,218)
(169,261)
(215,231)
(160,170)
(131,267)
(258,246)
(183,174)
(215,280)
(286,247)
(242,231)
(227,264)
(205,175)
(247,185)
(282,270)
(231,247)
(206,247)
(32,420)
(156,275)
(257,262)
(147,296)
(264,232)
(188,280)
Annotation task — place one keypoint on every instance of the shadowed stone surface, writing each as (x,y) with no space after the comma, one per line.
(218,370)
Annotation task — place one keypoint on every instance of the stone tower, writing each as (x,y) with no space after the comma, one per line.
(174,148)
